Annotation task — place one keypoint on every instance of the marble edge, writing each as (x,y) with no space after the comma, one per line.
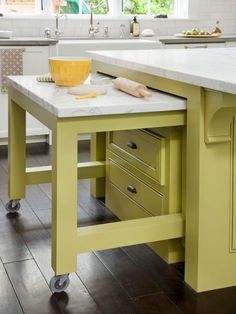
(44,104)
(107,41)
(28,41)
(118,110)
(172,105)
(202,81)
(183,40)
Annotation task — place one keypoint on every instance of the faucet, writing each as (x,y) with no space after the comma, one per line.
(58,32)
(106,32)
(92,29)
(122,30)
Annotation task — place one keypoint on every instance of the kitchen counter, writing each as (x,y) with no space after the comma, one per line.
(181,40)
(211,68)
(28,41)
(206,79)
(59,103)
(69,40)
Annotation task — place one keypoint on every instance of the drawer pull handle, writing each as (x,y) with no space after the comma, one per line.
(132,189)
(195,47)
(132,145)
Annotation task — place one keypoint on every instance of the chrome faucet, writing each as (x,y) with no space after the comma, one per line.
(92,29)
(122,30)
(106,32)
(58,32)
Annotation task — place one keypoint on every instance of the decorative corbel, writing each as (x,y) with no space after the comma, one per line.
(220,109)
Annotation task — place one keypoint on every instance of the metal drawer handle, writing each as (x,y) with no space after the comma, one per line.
(132,145)
(132,189)
(195,47)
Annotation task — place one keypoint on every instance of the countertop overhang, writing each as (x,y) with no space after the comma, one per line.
(63,105)
(183,40)
(213,68)
(28,41)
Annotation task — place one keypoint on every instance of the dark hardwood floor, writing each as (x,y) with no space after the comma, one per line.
(124,280)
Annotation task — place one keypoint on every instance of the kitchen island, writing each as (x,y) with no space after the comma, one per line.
(206,78)
(207,189)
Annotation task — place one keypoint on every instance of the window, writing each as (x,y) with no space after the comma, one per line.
(148,7)
(18,6)
(81,6)
(115,8)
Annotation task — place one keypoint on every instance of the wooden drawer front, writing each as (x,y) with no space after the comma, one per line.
(136,189)
(123,206)
(144,150)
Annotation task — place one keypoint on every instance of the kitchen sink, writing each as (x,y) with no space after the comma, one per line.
(5,34)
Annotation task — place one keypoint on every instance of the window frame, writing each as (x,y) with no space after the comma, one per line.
(184,9)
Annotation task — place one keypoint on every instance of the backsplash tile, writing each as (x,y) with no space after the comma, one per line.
(209,12)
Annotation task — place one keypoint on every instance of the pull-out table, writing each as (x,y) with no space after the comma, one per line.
(67,117)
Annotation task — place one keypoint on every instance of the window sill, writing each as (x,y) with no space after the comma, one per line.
(96,17)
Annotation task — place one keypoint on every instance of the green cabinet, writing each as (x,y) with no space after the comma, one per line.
(144,178)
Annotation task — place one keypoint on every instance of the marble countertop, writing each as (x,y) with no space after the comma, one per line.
(85,40)
(57,101)
(28,41)
(212,68)
(162,39)
(182,40)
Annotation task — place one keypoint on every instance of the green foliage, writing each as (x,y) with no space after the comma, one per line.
(141,6)
(162,7)
(101,9)
(135,6)
(72,7)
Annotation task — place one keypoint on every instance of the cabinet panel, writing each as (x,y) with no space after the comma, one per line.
(80,47)
(233,213)
(144,150)
(195,45)
(135,189)
(230,44)
(35,61)
(132,188)
(123,206)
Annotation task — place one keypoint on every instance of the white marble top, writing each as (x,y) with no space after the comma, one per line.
(57,101)
(213,68)
(28,41)
(71,40)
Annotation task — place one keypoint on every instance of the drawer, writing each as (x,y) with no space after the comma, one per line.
(136,189)
(123,206)
(143,149)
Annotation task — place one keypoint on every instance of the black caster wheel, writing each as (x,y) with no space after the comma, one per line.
(13,206)
(59,283)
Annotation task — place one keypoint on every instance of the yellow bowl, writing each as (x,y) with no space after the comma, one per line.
(69,71)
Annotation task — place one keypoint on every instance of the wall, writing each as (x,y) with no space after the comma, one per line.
(209,12)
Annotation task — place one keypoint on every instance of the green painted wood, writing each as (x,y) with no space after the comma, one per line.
(118,234)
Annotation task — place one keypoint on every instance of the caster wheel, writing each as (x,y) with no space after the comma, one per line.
(13,206)
(59,283)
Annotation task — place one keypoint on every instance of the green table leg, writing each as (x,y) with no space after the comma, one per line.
(98,153)
(17,151)
(64,199)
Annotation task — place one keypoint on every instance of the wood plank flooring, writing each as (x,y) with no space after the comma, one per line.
(124,280)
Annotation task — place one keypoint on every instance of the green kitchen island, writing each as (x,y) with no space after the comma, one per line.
(205,221)
(206,78)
